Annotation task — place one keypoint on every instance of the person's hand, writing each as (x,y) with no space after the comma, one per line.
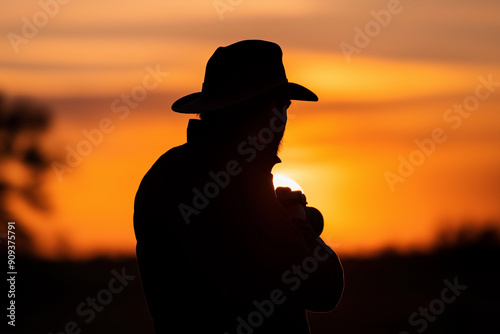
(296,211)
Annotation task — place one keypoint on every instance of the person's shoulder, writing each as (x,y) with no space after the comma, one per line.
(165,168)
(166,162)
(172,156)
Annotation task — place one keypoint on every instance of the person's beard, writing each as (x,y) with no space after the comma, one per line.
(277,142)
(274,147)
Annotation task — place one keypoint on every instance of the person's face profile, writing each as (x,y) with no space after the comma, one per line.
(279,109)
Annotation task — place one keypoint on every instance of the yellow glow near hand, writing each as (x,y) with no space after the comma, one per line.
(280,180)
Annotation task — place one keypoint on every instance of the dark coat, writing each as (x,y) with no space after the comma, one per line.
(217,252)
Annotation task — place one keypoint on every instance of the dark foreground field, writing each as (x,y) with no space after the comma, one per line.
(454,289)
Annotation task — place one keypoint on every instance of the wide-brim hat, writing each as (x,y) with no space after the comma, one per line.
(239,72)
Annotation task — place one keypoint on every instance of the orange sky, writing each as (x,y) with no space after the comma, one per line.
(374,105)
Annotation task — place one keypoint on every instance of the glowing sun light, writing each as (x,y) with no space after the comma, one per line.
(280,180)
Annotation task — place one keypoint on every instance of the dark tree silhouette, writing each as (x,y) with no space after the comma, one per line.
(23,163)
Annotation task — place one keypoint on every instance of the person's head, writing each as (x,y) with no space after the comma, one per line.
(245,87)
(240,72)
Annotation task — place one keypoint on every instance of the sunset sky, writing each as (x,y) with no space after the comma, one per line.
(403,143)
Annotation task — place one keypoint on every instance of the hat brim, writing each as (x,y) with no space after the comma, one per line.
(196,103)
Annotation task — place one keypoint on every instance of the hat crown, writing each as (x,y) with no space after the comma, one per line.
(244,66)
(239,72)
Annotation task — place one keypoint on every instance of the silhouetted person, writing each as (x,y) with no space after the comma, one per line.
(217,251)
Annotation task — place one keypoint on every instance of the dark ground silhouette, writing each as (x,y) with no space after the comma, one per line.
(380,293)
